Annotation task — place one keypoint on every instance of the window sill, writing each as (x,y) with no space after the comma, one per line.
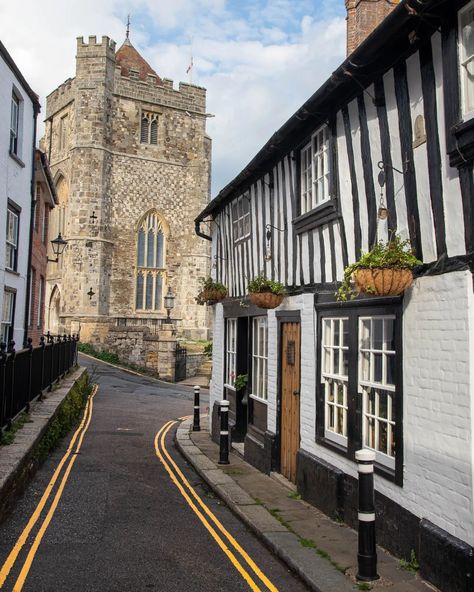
(17,159)
(323,214)
(12,271)
(463,141)
(259,399)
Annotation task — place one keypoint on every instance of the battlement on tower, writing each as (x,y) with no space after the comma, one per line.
(160,91)
(94,49)
(60,97)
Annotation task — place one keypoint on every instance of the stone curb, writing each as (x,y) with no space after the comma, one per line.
(17,465)
(315,572)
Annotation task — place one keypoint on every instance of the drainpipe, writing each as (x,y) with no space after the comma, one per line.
(36,110)
(197,230)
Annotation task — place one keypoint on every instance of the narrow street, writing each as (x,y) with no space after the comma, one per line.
(122,523)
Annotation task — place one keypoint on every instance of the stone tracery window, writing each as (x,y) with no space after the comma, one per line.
(151,257)
(149,128)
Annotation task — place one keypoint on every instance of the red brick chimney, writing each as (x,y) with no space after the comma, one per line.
(363,16)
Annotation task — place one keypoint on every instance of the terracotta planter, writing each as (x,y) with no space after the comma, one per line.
(266,299)
(383,281)
(212,296)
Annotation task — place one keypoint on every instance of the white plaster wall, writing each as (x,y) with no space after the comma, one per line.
(15,184)
(438,403)
(218,351)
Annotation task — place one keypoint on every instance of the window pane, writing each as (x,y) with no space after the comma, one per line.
(390,361)
(158,292)
(383,409)
(389,336)
(382,444)
(149,291)
(141,248)
(139,301)
(377,328)
(160,249)
(365,334)
(365,366)
(150,255)
(377,368)
(154,132)
(144,130)
(336,332)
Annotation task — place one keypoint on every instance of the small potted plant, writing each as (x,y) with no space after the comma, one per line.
(211,292)
(385,270)
(266,293)
(240,384)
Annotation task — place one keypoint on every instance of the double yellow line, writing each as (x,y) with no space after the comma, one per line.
(216,529)
(70,454)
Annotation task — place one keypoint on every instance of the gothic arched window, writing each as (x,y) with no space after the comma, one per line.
(149,128)
(151,257)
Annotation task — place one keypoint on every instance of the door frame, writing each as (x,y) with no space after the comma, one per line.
(283,316)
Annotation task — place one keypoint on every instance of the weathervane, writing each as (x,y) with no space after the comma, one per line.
(128,27)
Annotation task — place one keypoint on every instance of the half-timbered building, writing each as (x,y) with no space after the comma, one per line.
(394,374)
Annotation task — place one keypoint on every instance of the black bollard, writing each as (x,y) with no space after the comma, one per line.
(196,425)
(224,435)
(367,555)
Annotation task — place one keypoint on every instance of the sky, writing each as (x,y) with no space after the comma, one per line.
(258,59)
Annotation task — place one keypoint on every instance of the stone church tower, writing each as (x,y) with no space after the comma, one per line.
(131,162)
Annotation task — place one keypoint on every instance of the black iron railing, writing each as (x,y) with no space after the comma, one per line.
(27,373)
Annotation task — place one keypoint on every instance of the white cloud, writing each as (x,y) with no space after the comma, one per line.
(258,66)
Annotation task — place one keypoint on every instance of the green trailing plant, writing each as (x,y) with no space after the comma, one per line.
(394,254)
(88,349)
(263,284)
(209,288)
(411,565)
(208,349)
(241,381)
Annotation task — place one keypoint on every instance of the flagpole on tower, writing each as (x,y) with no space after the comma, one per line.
(189,71)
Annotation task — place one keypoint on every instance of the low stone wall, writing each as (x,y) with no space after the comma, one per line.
(141,347)
(194,361)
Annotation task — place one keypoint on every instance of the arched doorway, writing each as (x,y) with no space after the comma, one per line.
(53,311)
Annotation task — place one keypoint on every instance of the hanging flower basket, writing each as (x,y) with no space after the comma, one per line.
(211,296)
(266,293)
(383,281)
(385,270)
(211,293)
(266,299)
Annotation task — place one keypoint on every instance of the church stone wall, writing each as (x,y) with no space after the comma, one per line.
(114,180)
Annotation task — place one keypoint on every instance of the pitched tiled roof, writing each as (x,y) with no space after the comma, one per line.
(127,57)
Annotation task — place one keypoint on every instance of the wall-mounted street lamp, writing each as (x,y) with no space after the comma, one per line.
(59,244)
(268,227)
(169,304)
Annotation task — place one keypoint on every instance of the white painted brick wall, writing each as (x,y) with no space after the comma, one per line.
(218,349)
(438,381)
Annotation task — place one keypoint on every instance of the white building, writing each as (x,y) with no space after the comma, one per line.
(392,374)
(19,107)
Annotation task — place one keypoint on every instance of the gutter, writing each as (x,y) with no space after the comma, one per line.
(36,110)
(361,63)
(197,230)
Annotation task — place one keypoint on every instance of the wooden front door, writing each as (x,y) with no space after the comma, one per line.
(290,398)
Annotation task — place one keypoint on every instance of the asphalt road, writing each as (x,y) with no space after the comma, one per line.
(121,524)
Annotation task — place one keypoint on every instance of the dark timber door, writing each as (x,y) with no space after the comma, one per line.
(290,398)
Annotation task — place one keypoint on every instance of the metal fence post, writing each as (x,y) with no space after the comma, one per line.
(367,555)
(30,372)
(11,350)
(3,399)
(196,424)
(43,347)
(51,365)
(224,434)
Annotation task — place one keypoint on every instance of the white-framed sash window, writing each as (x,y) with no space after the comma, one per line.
(241,217)
(315,171)
(231,352)
(466,59)
(334,377)
(259,358)
(8,313)
(376,385)
(14,124)
(12,239)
